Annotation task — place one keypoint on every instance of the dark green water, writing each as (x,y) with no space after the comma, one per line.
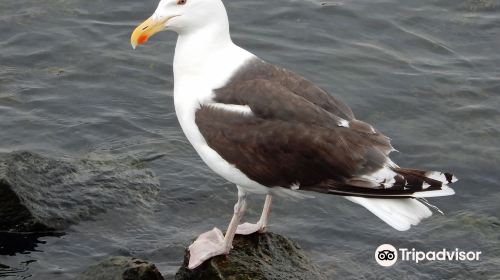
(426,73)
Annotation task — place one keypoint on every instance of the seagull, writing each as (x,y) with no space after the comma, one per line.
(265,128)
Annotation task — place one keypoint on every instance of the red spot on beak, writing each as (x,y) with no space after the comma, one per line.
(142,39)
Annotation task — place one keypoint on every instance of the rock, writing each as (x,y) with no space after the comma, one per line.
(40,194)
(14,216)
(122,268)
(256,257)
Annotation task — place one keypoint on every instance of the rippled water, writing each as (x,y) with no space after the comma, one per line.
(426,73)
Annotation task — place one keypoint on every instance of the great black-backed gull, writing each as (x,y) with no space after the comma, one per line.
(263,128)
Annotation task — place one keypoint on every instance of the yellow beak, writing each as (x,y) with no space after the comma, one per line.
(145,30)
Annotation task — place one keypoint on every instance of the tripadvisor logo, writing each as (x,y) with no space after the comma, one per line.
(387,255)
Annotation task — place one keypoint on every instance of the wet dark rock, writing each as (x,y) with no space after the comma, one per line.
(256,257)
(39,194)
(14,216)
(122,268)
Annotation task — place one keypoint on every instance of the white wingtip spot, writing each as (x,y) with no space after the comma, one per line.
(440,176)
(425,186)
(344,123)
(434,175)
(383,176)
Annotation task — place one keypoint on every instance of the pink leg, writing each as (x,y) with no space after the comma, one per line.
(261,225)
(213,243)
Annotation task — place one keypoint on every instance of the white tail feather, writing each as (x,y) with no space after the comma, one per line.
(400,213)
(444,191)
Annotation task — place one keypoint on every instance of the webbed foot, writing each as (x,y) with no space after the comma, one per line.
(206,246)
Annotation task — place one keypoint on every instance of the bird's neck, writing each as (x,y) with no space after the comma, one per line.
(206,57)
(194,49)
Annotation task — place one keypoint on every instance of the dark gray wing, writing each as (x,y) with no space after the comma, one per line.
(279,152)
(257,69)
(300,135)
(274,91)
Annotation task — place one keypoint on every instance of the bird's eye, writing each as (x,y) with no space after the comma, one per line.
(181,2)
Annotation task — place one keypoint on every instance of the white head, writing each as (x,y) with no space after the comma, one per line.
(183,17)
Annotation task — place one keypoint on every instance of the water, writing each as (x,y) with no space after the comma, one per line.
(423,72)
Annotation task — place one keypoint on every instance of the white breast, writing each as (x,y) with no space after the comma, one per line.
(194,88)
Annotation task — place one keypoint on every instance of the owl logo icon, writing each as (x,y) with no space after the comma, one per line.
(386,255)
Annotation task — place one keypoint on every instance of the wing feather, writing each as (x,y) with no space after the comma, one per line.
(297,133)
